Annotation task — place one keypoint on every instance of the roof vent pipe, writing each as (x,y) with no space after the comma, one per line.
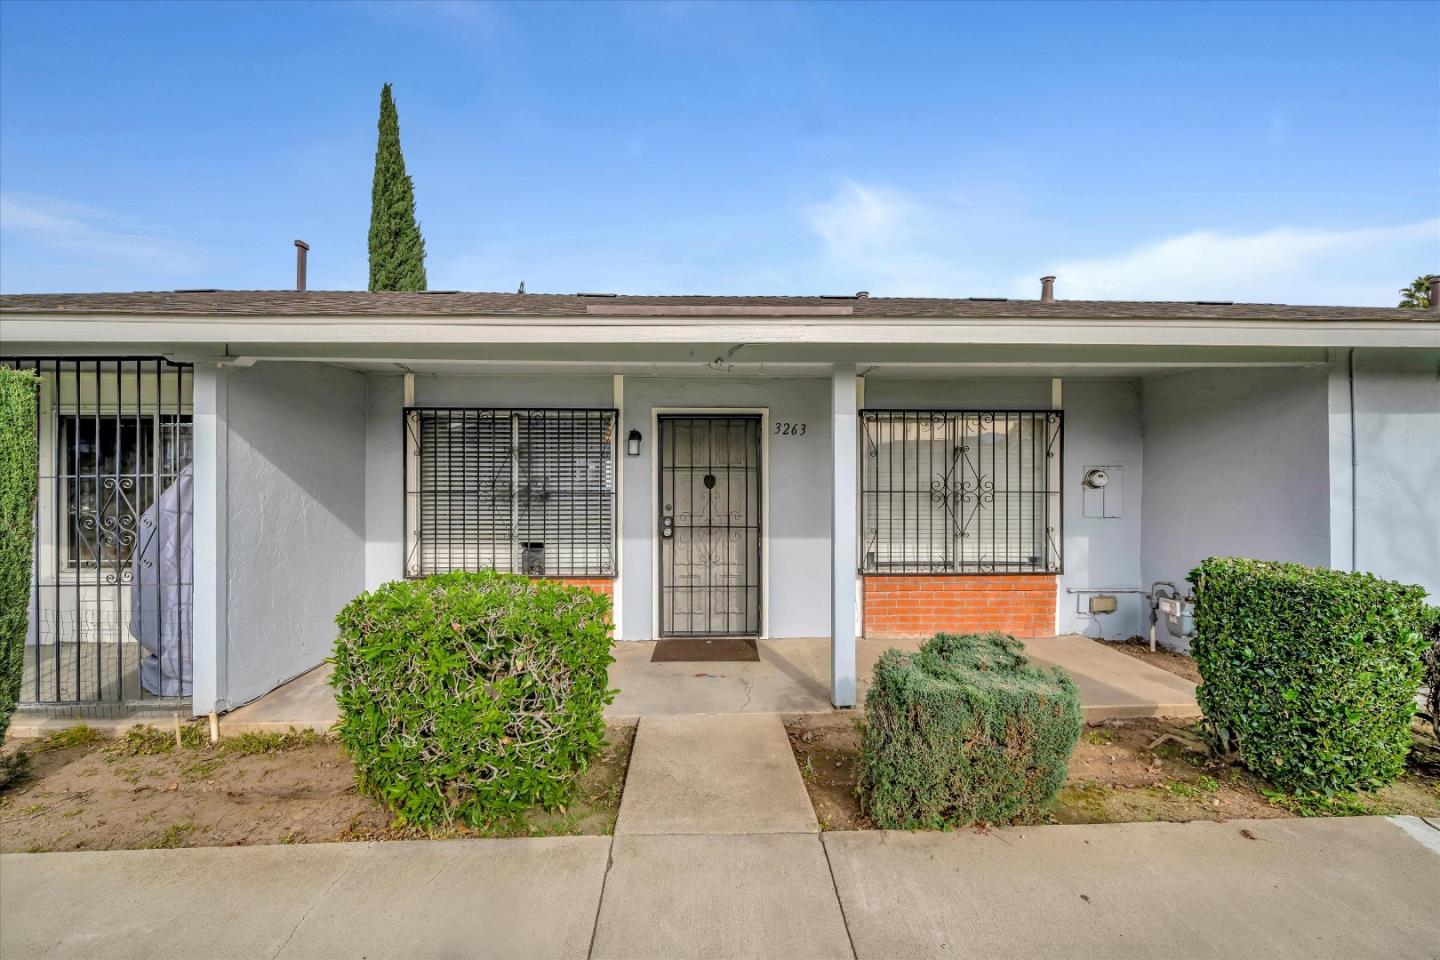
(301,248)
(1435,294)
(1047,289)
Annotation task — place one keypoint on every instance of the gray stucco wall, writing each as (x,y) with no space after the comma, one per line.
(1397,465)
(798,489)
(1236,464)
(1102,427)
(295,488)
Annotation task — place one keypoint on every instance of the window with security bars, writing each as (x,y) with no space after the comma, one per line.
(960,491)
(522,491)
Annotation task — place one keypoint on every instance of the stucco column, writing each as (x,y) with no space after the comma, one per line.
(209,547)
(842,535)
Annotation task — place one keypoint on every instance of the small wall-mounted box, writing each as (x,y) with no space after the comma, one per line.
(1104,491)
(1103,603)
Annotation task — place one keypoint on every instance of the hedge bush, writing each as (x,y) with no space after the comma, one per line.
(964,731)
(471,696)
(1431,630)
(1310,674)
(19,475)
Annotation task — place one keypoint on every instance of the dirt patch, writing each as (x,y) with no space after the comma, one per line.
(1180,664)
(84,792)
(827,748)
(1121,771)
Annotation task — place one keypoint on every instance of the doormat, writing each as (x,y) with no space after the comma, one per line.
(705,650)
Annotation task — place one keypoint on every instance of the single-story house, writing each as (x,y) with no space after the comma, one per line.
(221,471)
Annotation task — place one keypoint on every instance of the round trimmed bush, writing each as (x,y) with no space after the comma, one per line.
(965,731)
(472,696)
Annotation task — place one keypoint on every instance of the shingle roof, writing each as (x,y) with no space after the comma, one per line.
(287,303)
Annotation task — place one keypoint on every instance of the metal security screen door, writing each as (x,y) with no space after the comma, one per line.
(709,526)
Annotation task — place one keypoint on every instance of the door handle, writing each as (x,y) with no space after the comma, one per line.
(667,527)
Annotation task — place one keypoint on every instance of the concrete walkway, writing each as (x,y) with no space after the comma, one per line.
(1354,888)
(792,676)
(714,774)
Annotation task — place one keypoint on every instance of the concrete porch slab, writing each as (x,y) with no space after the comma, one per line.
(731,896)
(1344,888)
(1113,685)
(305,703)
(714,774)
(792,676)
(470,898)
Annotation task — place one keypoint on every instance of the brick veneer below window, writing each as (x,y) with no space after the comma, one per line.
(605,585)
(898,607)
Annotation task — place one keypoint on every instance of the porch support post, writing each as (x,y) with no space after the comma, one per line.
(209,633)
(843,441)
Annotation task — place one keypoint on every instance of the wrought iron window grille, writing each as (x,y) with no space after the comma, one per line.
(109,625)
(961,491)
(517,490)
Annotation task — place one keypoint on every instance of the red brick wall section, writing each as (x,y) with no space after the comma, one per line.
(900,607)
(604,585)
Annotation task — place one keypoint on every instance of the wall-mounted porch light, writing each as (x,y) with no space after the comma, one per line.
(632,444)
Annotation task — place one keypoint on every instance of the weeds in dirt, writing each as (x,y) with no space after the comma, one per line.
(1315,805)
(76,736)
(145,741)
(172,836)
(250,744)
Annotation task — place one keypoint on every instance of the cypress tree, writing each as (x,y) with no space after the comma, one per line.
(397,250)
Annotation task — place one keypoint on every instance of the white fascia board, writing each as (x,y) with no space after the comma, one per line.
(829,330)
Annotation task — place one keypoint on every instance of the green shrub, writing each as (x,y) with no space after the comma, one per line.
(964,731)
(19,474)
(472,696)
(1431,630)
(1310,674)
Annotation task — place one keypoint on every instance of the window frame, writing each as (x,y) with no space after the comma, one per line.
(1052,535)
(412,544)
(157,424)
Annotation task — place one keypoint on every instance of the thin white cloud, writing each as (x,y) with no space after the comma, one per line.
(1283,265)
(903,243)
(88,233)
(889,239)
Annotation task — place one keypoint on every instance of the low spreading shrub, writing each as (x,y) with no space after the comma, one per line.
(964,731)
(471,696)
(1309,674)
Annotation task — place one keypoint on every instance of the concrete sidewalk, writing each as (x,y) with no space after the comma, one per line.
(1355,888)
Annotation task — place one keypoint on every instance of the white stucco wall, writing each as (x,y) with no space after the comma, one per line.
(1396,491)
(295,490)
(1236,464)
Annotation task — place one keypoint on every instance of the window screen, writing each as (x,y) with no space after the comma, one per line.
(960,491)
(522,491)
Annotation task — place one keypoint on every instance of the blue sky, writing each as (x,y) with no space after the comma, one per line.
(1276,152)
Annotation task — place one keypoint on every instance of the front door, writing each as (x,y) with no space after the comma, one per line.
(709,526)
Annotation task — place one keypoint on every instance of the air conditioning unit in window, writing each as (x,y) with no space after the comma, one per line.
(532,558)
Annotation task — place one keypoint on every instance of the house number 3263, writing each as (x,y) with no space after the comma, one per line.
(784,429)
